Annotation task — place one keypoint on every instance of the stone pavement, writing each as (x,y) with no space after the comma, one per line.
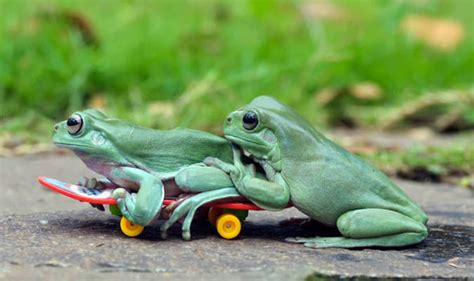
(46,236)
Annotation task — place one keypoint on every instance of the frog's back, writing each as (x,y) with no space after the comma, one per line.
(168,151)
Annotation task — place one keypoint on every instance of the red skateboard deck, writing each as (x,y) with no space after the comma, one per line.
(80,193)
(104,196)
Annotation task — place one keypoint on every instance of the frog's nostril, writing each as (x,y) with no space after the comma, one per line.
(56,127)
(229,119)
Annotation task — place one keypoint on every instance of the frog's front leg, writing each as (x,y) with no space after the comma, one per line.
(95,183)
(143,207)
(269,195)
(371,228)
(199,178)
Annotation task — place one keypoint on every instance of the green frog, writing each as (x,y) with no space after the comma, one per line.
(144,164)
(319,177)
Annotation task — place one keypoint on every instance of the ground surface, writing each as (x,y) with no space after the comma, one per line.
(44,236)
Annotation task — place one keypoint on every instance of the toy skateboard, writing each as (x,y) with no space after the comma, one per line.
(226,217)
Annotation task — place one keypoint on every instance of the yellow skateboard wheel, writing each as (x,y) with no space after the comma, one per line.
(213,214)
(130,229)
(228,226)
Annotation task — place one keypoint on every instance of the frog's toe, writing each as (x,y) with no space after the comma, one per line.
(123,208)
(88,182)
(126,204)
(311,245)
(325,242)
(92,182)
(82,181)
(310,242)
(164,229)
(186,235)
(119,193)
(299,239)
(85,181)
(170,208)
(210,161)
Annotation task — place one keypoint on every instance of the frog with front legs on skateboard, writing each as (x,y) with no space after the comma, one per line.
(141,160)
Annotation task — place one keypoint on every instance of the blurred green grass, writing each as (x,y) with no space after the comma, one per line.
(427,163)
(208,57)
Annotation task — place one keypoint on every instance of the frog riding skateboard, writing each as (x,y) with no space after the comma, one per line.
(226,217)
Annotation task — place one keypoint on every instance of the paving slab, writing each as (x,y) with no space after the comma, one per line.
(45,236)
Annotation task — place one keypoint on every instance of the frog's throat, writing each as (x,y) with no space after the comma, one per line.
(271,157)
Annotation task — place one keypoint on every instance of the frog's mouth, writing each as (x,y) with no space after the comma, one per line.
(251,146)
(69,145)
(244,141)
(256,152)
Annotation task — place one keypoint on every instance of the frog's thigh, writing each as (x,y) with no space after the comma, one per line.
(366,223)
(374,227)
(201,178)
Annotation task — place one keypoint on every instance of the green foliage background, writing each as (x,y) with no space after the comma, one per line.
(209,57)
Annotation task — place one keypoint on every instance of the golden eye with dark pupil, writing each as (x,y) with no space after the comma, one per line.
(250,120)
(74,124)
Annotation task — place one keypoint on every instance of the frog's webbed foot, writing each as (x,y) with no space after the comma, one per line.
(92,183)
(189,207)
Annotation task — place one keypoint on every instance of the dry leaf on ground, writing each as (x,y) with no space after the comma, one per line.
(322,10)
(97,101)
(162,108)
(440,34)
(366,90)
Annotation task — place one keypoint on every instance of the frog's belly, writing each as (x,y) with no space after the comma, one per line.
(316,209)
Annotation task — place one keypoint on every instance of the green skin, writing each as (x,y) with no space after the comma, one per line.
(320,178)
(140,159)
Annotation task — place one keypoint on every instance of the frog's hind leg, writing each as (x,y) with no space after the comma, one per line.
(371,228)
(190,206)
(199,178)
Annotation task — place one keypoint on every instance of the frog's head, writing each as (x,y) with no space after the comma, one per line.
(252,128)
(87,133)
(266,129)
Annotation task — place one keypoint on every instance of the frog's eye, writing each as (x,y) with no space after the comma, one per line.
(250,120)
(74,124)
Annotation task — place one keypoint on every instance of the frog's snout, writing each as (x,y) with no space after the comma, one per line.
(57,127)
(232,117)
